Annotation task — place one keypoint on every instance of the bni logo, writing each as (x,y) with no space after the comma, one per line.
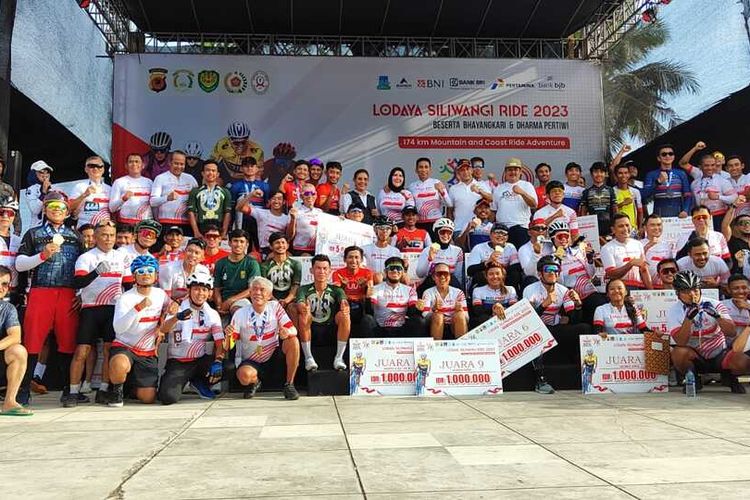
(383,83)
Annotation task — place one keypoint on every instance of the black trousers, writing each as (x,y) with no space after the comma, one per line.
(177,373)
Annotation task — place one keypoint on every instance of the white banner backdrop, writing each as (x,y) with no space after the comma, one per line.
(372,113)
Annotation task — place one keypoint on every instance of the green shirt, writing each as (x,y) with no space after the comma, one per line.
(283,276)
(233,277)
(209,205)
(324,307)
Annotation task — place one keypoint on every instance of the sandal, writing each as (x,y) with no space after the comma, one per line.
(17,411)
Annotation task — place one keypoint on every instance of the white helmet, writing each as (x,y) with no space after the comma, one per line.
(443,224)
(193,149)
(238,130)
(557,226)
(200,277)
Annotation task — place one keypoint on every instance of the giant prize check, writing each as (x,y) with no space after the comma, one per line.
(452,367)
(522,336)
(654,305)
(617,365)
(382,367)
(335,234)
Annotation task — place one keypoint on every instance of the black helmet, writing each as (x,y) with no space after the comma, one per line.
(686,280)
(552,185)
(547,260)
(382,221)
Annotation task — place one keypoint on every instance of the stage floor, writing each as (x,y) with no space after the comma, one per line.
(517,445)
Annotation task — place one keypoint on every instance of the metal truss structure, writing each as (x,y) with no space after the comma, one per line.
(607,26)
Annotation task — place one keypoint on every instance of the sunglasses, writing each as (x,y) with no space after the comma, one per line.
(740,223)
(309,193)
(551,269)
(147,233)
(501,232)
(478,165)
(562,235)
(667,154)
(57,206)
(7,212)
(4,284)
(212,236)
(142,271)
(539,228)
(94,165)
(197,242)
(701,217)
(668,270)
(106,223)
(395,268)
(442,274)
(161,150)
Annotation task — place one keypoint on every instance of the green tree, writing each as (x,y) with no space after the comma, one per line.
(635,93)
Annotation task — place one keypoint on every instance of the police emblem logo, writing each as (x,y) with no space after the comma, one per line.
(235,82)
(261,82)
(182,80)
(157,79)
(208,80)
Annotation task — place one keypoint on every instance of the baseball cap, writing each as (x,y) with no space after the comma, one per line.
(354,208)
(40,165)
(174,229)
(410,209)
(514,162)
(499,226)
(482,201)
(463,163)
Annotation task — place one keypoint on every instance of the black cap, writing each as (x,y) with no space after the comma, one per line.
(499,226)
(174,229)
(409,209)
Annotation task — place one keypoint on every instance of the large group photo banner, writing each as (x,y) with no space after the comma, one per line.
(373,113)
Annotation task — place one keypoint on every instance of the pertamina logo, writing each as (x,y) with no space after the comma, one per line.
(500,84)
(208,80)
(182,80)
(261,82)
(235,82)
(157,79)
(383,83)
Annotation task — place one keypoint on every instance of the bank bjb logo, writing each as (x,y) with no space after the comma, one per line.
(208,80)
(383,83)
(260,82)
(157,79)
(182,80)
(235,82)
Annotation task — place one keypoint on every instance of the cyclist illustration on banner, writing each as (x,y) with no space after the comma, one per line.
(588,367)
(358,364)
(230,150)
(423,370)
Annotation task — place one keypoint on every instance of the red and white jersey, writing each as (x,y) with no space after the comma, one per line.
(376,256)
(535,293)
(576,272)
(486,296)
(714,268)
(715,186)
(107,287)
(169,257)
(138,206)
(717,244)
(390,303)
(567,214)
(194,337)
(137,330)
(657,253)
(268,223)
(390,204)
(431,296)
(8,252)
(740,317)
(307,228)
(615,321)
(172,211)
(257,334)
(95,207)
(615,254)
(173,278)
(706,336)
(481,253)
(412,241)
(453,256)
(428,201)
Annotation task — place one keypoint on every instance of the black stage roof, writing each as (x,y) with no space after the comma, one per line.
(413,18)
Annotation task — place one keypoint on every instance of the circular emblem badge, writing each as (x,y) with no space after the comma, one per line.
(260,82)
(235,82)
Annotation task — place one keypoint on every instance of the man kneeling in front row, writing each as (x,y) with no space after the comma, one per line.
(14,355)
(259,329)
(192,356)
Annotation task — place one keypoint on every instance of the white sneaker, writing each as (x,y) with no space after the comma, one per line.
(310,364)
(338,364)
(85,388)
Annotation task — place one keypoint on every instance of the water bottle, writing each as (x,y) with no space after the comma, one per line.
(690,384)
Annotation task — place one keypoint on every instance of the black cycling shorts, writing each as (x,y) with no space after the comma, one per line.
(96,323)
(144,370)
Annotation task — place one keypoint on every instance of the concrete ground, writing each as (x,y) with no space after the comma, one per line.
(517,445)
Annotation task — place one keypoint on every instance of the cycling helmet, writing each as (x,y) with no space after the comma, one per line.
(160,141)
(557,226)
(382,221)
(200,277)
(8,202)
(149,224)
(443,224)
(554,185)
(146,260)
(686,280)
(55,196)
(547,260)
(238,130)
(193,149)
